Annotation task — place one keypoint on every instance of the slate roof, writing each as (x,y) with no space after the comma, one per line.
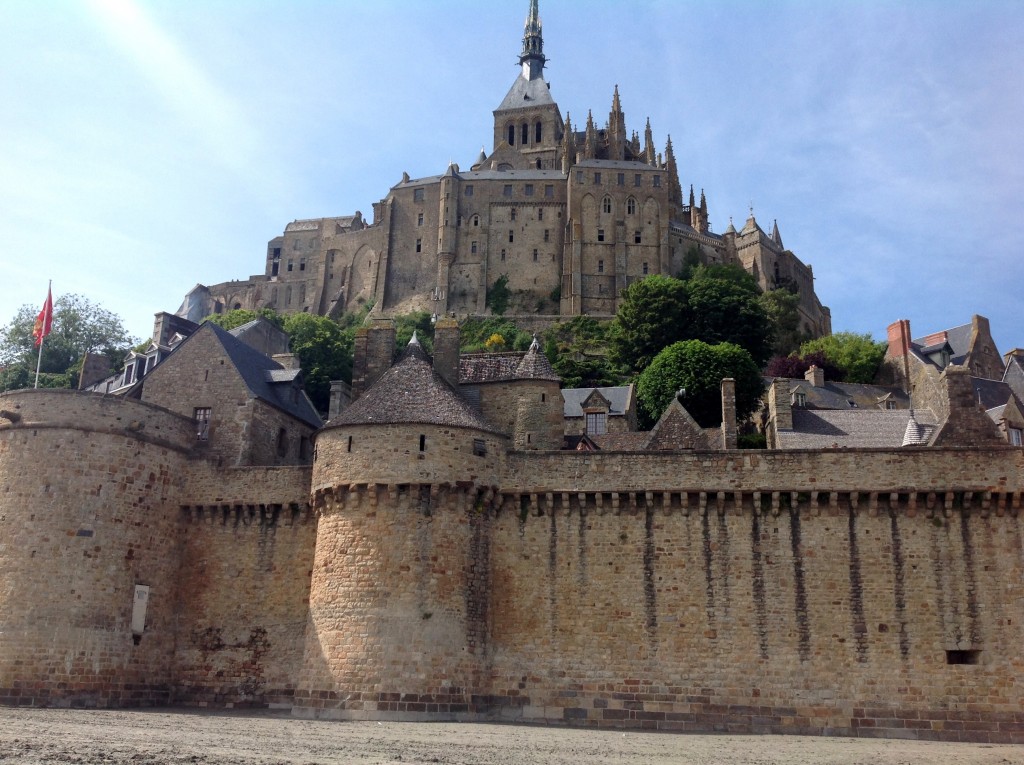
(835,395)
(573,398)
(412,392)
(262,377)
(525,93)
(488,367)
(991,393)
(959,339)
(835,429)
(535,365)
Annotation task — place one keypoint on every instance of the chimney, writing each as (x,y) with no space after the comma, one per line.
(287,360)
(372,354)
(341,395)
(780,409)
(446,350)
(899,338)
(729,440)
(815,376)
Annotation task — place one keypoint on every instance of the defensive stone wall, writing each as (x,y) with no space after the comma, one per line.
(85,515)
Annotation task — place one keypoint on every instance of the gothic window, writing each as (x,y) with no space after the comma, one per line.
(631,206)
(525,134)
(476,220)
(511,135)
(537,132)
(606,204)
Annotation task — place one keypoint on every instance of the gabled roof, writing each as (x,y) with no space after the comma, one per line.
(835,429)
(618,397)
(991,393)
(412,392)
(262,376)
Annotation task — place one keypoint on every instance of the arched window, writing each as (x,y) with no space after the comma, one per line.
(606,204)
(511,135)
(476,220)
(631,206)
(538,131)
(526,134)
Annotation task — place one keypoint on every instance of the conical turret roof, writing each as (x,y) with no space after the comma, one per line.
(535,365)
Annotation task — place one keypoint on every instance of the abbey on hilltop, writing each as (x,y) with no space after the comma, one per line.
(569,216)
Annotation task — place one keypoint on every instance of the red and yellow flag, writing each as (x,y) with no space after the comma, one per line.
(44,321)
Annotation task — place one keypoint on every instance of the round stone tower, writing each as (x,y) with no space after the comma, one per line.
(89,489)
(402,482)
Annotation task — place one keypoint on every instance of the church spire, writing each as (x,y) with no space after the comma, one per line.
(616,129)
(568,146)
(649,156)
(532,58)
(675,191)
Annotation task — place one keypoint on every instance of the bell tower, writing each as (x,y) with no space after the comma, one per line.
(528,120)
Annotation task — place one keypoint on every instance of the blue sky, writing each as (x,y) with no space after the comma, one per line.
(148,146)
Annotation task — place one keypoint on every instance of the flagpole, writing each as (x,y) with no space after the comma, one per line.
(42,334)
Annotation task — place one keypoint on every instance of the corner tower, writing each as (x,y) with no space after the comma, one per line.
(528,119)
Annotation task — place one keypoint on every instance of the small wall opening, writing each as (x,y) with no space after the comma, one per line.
(423,443)
(963,657)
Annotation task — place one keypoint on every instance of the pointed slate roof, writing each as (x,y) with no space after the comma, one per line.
(535,365)
(411,392)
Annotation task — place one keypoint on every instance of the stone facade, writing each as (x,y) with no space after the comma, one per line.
(434,564)
(570,215)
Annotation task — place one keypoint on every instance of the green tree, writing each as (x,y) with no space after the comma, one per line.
(579,351)
(325,353)
(781,307)
(653,312)
(240,316)
(699,368)
(858,356)
(474,334)
(725,307)
(79,327)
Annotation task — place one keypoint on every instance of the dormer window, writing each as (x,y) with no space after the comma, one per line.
(1016,436)
(799,399)
(597,423)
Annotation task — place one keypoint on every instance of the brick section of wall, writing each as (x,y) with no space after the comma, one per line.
(244,581)
(398,605)
(833,623)
(85,515)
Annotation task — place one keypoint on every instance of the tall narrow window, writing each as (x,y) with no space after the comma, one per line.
(423,443)
(547,235)
(349,446)
(600,235)
(472,247)
(620,180)
(636,179)
(503,255)
(606,204)
(645,268)
(597,178)
(549,191)
(512,214)
(201,416)
(631,206)
(535,256)
(657,181)
(540,213)
(511,135)
(600,266)
(282,442)
(419,245)
(525,134)
(579,176)
(538,131)
(419,219)
(511,235)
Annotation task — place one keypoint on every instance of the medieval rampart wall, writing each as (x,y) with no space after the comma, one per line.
(248,537)
(87,490)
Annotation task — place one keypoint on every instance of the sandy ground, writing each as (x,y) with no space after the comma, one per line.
(29,736)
